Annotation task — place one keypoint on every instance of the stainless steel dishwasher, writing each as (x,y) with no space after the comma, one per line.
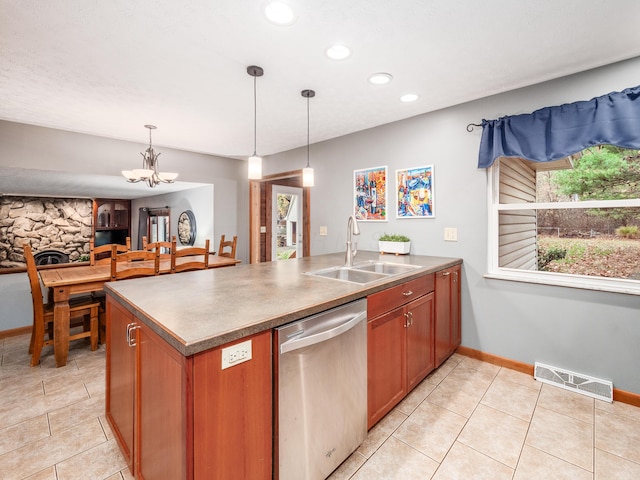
(322,391)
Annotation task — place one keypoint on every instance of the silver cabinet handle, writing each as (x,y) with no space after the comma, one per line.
(446,274)
(130,328)
(410,318)
(406,294)
(406,320)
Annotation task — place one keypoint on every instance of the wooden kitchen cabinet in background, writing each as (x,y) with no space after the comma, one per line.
(111,221)
(448,320)
(400,343)
(183,417)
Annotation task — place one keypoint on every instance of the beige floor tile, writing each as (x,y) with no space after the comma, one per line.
(348,467)
(463,462)
(431,429)
(561,436)
(105,426)
(563,401)
(97,463)
(535,464)
(23,433)
(480,366)
(46,474)
(458,393)
(612,467)
(512,398)
(396,460)
(618,435)
(416,397)
(126,474)
(496,434)
(621,409)
(380,432)
(115,476)
(443,370)
(10,394)
(66,417)
(518,377)
(38,455)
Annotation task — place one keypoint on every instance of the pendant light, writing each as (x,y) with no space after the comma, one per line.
(255,162)
(149,172)
(307,172)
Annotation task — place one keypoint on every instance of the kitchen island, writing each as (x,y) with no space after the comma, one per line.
(192,417)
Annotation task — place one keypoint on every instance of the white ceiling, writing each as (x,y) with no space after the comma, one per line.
(109,67)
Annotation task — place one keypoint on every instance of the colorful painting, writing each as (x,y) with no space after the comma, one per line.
(414,187)
(370,194)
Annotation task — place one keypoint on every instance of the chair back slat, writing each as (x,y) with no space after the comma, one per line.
(191,254)
(165,248)
(230,244)
(34,282)
(102,255)
(136,263)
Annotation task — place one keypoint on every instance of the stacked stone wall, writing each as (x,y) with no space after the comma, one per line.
(45,224)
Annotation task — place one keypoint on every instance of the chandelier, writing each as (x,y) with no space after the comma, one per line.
(149,171)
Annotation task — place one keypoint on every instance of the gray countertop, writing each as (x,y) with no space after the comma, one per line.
(196,311)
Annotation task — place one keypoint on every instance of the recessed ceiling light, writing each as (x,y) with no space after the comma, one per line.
(279,13)
(380,78)
(338,52)
(409,97)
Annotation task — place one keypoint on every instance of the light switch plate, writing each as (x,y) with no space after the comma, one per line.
(451,234)
(263,229)
(236,354)
(323,231)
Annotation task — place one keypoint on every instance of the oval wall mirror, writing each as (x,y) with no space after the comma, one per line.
(187,228)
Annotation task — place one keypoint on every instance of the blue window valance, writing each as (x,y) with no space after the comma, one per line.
(552,133)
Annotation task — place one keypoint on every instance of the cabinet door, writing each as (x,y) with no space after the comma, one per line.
(163,449)
(233,414)
(420,355)
(120,378)
(386,368)
(456,317)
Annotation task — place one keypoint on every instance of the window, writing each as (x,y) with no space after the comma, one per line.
(572,222)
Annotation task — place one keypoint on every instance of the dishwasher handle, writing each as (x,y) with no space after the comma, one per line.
(298,343)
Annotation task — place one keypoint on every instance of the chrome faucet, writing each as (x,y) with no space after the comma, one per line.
(352,229)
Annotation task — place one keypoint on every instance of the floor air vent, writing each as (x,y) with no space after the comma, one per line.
(576,382)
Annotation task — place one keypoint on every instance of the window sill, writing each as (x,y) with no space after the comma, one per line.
(629,287)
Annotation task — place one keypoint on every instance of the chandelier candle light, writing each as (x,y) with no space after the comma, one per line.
(149,171)
(255,162)
(307,172)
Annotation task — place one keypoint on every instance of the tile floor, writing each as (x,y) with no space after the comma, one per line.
(467,420)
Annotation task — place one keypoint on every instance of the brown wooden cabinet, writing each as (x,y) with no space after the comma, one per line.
(400,343)
(184,417)
(447,323)
(111,221)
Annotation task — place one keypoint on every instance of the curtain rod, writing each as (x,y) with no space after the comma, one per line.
(471,125)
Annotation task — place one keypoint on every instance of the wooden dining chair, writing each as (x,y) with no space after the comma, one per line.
(231,244)
(136,263)
(192,254)
(84,308)
(165,248)
(102,255)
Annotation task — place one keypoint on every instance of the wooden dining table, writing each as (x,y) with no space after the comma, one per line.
(66,281)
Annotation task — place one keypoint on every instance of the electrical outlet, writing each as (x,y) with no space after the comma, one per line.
(451,234)
(323,231)
(235,354)
(263,229)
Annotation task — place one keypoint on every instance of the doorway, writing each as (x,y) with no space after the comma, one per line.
(286,217)
(261,223)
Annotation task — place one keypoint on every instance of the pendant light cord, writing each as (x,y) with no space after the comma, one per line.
(307,132)
(255,118)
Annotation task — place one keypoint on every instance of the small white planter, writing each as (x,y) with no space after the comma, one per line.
(397,248)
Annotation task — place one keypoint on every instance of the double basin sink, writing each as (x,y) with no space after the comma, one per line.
(365,272)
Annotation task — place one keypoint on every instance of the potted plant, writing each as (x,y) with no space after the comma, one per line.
(397,244)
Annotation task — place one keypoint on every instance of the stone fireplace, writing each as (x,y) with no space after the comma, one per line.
(61,225)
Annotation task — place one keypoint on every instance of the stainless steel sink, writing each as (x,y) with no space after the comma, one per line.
(348,275)
(385,267)
(363,273)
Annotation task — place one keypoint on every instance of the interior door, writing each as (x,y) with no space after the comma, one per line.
(286,222)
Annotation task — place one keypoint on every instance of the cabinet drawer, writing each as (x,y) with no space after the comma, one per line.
(393,297)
